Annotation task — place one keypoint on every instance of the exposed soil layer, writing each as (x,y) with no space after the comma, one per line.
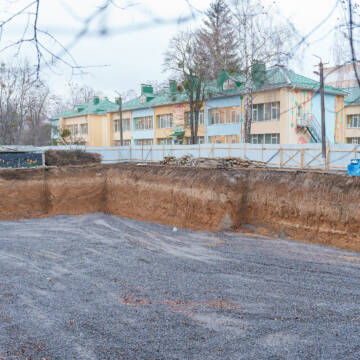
(308,206)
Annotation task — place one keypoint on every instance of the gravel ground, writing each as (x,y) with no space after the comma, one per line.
(104,287)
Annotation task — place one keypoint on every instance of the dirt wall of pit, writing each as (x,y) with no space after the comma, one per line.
(308,206)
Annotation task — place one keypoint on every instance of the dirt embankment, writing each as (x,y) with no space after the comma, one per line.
(309,206)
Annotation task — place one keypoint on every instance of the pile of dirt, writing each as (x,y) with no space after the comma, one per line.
(71,157)
(212,163)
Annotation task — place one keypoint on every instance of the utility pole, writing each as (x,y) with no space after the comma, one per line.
(121,127)
(322,96)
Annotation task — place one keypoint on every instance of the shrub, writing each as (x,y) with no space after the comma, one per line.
(70,157)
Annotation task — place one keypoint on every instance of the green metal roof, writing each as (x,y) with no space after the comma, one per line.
(353,96)
(273,78)
(281,77)
(89,108)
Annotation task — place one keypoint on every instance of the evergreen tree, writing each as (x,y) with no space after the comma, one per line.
(218,38)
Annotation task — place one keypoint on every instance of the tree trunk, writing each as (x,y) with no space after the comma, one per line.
(248,118)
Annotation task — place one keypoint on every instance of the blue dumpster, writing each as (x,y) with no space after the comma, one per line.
(354,167)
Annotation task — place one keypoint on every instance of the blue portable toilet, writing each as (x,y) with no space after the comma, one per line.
(354,167)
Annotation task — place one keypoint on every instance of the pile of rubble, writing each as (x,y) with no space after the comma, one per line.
(214,163)
(186,160)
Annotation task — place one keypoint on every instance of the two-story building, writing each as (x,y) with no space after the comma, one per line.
(87,123)
(344,77)
(285,110)
(351,129)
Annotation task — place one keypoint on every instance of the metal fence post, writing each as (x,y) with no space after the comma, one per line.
(302,158)
(280,157)
(327,161)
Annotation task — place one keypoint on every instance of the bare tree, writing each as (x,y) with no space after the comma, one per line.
(17,82)
(157,85)
(79,94)
(188,60)
(264,39)
(76,94)
(37,117)
(128,95)
(50,51)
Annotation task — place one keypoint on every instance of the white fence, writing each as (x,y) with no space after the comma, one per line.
(304,156)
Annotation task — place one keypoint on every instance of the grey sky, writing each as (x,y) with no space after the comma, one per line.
(135,56)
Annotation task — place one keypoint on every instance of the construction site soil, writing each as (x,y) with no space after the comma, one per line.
(311,206)
(101,287)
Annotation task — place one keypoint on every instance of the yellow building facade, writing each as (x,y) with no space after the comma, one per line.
(287,113)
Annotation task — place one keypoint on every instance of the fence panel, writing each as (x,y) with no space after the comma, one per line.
(307,156)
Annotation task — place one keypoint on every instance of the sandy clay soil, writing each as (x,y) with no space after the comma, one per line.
(103,287)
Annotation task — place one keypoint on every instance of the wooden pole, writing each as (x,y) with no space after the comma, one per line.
(302,158)
(323,124)
(327,160)
(121,125)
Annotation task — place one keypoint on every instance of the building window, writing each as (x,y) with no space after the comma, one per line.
(125,124)
(224,139)
(165,121)
(144,123)
(188,118)
(141,142)
(126,142)
(353,121)
(164,141)
(229,115)
(74,129)
(116,126)
(266,112)
(265,138)
(84,129)
(188,140)
(233,116)
(275,111)
(215,117)
(353,140)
